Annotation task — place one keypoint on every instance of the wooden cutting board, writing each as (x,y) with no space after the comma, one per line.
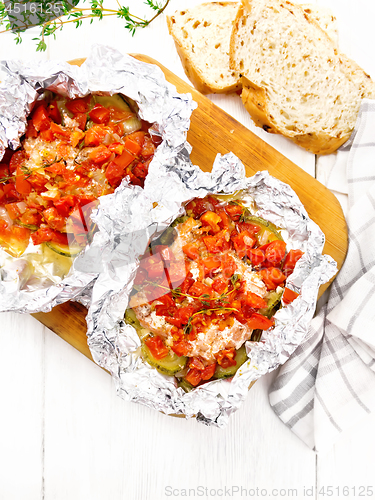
(213,131)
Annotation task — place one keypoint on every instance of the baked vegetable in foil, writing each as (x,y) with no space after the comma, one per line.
(68,137)
(189,288)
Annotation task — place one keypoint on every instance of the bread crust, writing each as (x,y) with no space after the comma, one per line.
(192,72)
(255,101)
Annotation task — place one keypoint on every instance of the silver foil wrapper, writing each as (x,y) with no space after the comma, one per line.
(115,344)
(106,71)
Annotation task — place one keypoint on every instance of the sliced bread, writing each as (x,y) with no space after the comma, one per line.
(295,82)
(202,36)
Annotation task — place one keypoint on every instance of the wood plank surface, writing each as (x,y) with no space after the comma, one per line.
(213,131)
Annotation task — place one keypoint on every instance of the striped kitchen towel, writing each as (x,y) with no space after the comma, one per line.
(328,384)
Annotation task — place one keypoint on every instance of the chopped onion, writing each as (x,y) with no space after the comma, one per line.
(22,207)
(5,216)
(182,372)
(132,125)
(264,237)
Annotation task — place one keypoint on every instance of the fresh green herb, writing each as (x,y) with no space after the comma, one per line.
(189,326)
(27,172)
(69,14)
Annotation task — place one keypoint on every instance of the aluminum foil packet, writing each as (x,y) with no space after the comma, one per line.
(115,345)
(106,71)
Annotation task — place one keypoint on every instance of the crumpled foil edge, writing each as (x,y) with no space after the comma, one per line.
(115,344)
(106,71)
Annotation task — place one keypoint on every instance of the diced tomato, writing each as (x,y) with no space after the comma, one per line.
(256,256)
(114,174)
(153,265)
(259,322)
(291,260)
(56,168)
(166,300)
(140,277)
(225,221)
(132,146)
(275,252)
(234,211)
(81,119)
(199,288)
(95,135)
(80,105)
(37,182)
(226,357)
(193,376)
(47,135)
(18,159)
(191,250)
(195,362)
(21,234)
(13,210)
(186,312)
(199,206)
(54,219)
(148,147)
(100,114)
(219,285)
(31,132)
(40,119)
(10,193)
(54,112)
(289,295)
(212,244)
(30,218)
(137,137)
(76,136)
(248,226)
(116,147)
(211,219)
(211,264)
(255,301)
(140,170)
(22,185)
(59,131)
(243,242)
(45,233)
(272,277)
(100,154)
(176,273)
(157,347)
(65,205)
(125,159)
(228,266)
(187,283)
(209,371)
(181,348)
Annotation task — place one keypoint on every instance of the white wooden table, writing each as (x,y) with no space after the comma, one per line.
(65,435)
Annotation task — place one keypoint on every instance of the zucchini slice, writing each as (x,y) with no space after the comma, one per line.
(240,358)
(185,385)
(65,250)
(272,233)
(32,227)
(273,304)
(169,365)
(115,101)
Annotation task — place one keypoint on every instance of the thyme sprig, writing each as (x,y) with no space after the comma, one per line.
(188,327)
(204,298)
(27,172)
(71,14)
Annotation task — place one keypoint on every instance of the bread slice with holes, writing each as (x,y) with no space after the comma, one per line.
(202,36)
(295,82)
